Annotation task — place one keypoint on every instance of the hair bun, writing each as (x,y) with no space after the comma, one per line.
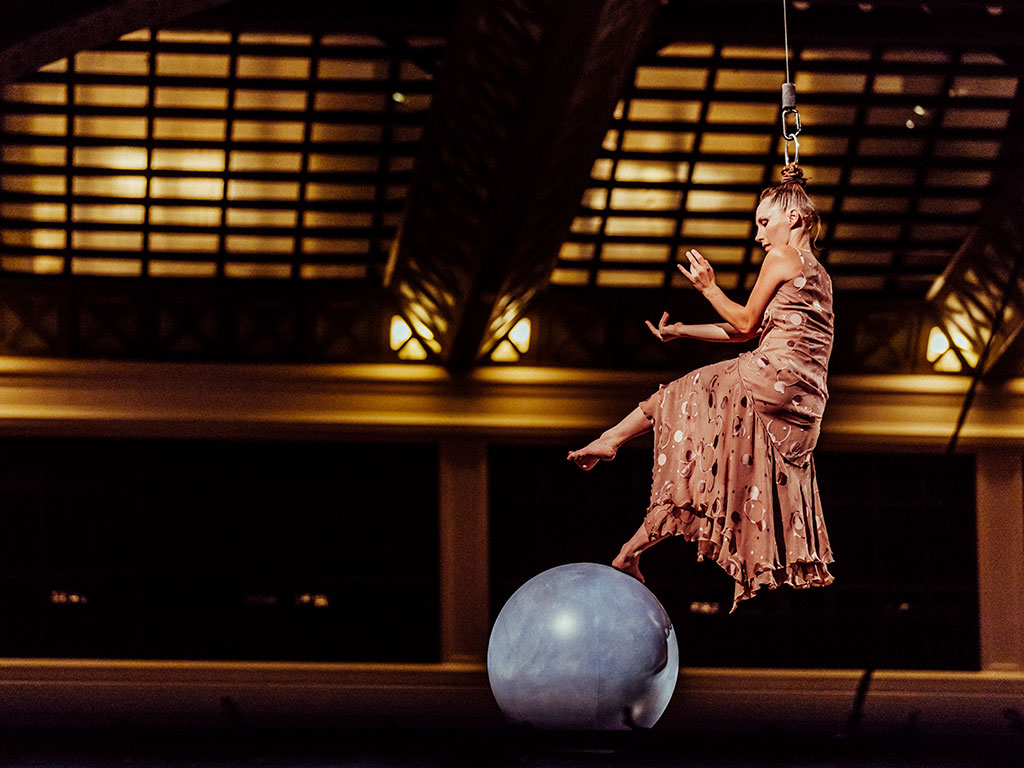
(793,174)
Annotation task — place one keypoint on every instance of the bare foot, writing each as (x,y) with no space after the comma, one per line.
(629,564)
(600,449)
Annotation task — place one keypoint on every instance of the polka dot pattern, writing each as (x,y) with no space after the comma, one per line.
(733,464)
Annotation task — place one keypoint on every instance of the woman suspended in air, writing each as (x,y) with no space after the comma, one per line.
(733,468)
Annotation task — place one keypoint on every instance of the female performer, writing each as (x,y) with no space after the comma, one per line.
(733,468)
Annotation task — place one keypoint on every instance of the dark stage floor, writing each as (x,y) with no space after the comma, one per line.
(503,748)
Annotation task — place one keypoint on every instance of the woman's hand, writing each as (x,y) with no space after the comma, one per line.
(701,274)
(665,331)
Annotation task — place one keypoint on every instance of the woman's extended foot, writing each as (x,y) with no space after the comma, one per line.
(601,449)
(629,564)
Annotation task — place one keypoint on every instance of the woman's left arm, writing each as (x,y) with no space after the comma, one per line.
(779,265)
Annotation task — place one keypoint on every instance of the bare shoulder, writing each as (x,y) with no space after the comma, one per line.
(783,262)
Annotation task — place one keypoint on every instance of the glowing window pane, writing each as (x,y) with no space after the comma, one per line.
(109,186)
(841,54)
(334,245)
(112,95)
(986,87)
(727,173)
(339,192)
(119,214)
(34,211)
(187,159)
(348,69)
(982,150)
(265,161)
(657,141)
(735,143)
(122,158)
(35,93)
(976,118)
(947,177)
(279,67)
(645,199)
(185,214)
(882,176)
(630,278)
(595,198)
(337,132)
(315,219)
(859,204)
(917,85)
(333,272)
(938,232)
(194,98)
(259,130)
(602,169)
(39,125)
(746,80)
(949,205)
(318,162)
(185,128)
(844,231)
(671,77)
(259,244)
(707,200)
(34,155)
(39,185)
(282,100)
(822,145)
(112,63)
(192,36)
(617,225)
(703,50)
(403,133)
(816,114)
(106,267)
(192,65)
(106,241)
(61,65)
(111,127)
(726,112)
(37,265)
(916,55)
(350,102)
(715,228)
(187,188)
(651,170)
(890,146)
(716,254)
(250,217)
(166,268)
(274,38)
(257,271)
(667,111)
(629,252)
(262,190)
(586,225)
(562,276)
(183,243)
(52,239)
(576,252)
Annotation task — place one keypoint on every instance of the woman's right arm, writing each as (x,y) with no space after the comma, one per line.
(666,331)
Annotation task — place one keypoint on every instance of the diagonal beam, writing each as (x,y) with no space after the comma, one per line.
(525,97)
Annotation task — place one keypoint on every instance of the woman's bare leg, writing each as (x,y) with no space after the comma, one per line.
(605,447)
(628,559)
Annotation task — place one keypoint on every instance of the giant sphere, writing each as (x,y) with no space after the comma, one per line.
(583,647)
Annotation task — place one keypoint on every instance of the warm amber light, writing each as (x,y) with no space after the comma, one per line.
(938,343)
(520,335)
(400,332)
(505,352)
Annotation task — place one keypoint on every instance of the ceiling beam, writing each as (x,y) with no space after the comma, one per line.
(526,94)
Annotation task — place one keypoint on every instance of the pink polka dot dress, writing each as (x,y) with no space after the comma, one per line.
(733,468)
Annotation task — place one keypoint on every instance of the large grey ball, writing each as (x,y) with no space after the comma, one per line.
(583,647)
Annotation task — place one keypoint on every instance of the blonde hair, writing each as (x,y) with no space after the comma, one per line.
(790,194)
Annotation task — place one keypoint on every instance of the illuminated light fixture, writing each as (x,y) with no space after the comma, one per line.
(398,97)
(919,110)
(520,335)
(515,344)
(947,352)
(910,125)
(866,7)
(401,332)
(994,10)
(801,5)
(404,342)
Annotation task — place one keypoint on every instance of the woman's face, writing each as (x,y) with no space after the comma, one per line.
(773,225)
